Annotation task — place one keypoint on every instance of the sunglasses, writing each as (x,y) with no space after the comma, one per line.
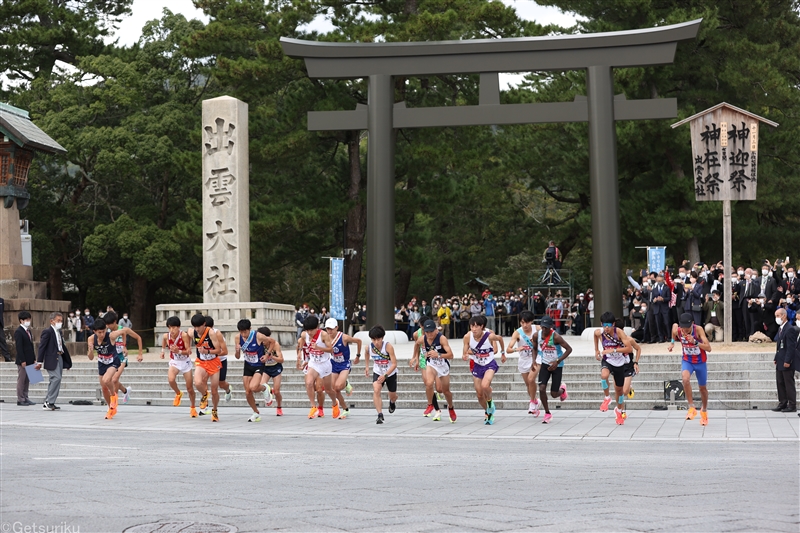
(608,325)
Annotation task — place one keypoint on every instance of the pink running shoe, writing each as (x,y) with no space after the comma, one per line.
(536,411)
(605,404)
(564,394)
(620,418)
(547,418)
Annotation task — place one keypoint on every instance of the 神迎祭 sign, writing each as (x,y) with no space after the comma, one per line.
(724,153)
(725,168)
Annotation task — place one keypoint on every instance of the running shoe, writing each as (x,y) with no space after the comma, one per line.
(547,418)
(703,418)
(336,410)
(631,394)
(204,401)
(312,413)
(453,416)
(624,415)
(320,412)
(392,407)
(255,417)
(380,419)
(193,412)
(345,414)
(228,395)
(177,401)
(438,416)
(440,396)
(109,414)
(489,420)
(620,419)
(605,404)
(485,418)
(126,396)
(214,416)
(536,409)
(564,394)
(428,410)
(113,404)
(490,409)
(268,398)
(531,406)
(691,413)
(348,389)
(279,412)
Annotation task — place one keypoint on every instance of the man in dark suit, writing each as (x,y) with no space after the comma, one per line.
(23,340)
(766,283)
(660,297)
(55,356)
(3,345)
(749,292)
(791,285)
(786,362)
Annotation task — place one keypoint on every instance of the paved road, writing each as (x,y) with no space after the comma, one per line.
(582,472)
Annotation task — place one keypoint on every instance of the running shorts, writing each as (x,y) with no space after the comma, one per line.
(525,364)
(338,368)
(183,365)
(442,366)
(252,370)
(273,371)
(390,381)
(699,369)
(101,368)
(211,367)
(479,371)
(323,369)
(621,372)
(223,373)
(544,377)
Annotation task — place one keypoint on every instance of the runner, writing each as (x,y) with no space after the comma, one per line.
(479,347)
(302,362)
(108,362)
(695,347)
(437,369)
(552,350)
(340,365)
(120,344)
(614,359)
(523,337)
(319,365)
(637,352)
(177,343)
(223,358)
(422,364)
(273,368)
(384,370)
(208,343)
(252,344)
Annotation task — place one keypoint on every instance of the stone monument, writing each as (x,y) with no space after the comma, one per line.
(21,139)
(226,231)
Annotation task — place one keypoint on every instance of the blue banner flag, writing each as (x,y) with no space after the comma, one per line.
(656,258)
(337,288)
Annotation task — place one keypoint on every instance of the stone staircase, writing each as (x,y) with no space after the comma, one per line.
(736,381)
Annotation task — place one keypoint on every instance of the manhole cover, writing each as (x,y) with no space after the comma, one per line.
(181,527)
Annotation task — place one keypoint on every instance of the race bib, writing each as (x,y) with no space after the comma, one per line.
(105,359)
(483,358)
(691,350)
(549,354)
(251,357)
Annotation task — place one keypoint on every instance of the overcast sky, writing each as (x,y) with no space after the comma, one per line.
(143,10)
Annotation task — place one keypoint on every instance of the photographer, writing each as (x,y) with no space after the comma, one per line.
(552,256)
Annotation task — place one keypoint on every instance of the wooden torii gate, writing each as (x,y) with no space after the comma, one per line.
(597,53)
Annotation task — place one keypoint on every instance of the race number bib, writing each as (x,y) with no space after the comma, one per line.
(251,357)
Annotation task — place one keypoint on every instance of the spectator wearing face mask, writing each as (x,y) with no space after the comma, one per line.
(737,324)
(766,283)
(660,297)
(748,294)
(791,285)
(694,302)
(88,322)
(714,312)
(125,321)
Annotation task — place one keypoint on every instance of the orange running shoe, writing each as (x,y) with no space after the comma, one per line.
(279,412)
(703,418)
(177,401)
(336,410)
(691,413)
(214,416)
(110,414)
(605,404)
(193,412)
(320,412)
(204,401)
(620,419)
(113,403)
(313,413)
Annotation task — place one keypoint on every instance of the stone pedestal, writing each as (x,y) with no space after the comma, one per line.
(31,296)
(11,266)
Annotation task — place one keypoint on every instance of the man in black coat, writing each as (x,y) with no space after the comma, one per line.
(23,340)
(786,362)
(660,296)
(54,356)
(3,345)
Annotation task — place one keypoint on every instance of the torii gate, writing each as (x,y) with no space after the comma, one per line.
(597,53)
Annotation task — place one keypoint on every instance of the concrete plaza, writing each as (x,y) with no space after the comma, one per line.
(154,465)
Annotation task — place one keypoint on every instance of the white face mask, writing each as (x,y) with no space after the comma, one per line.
(682,275)
(57,325)
(790,274)
(26,324)
(753,276)
(765,272)
(644,309)
(778,320)
(741,272)
(87,313)
(797,322)
(734,280)
(126,316)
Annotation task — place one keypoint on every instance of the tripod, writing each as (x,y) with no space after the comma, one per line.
(550,276)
